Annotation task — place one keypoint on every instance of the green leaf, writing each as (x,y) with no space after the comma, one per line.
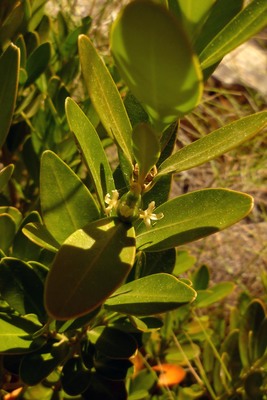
(38,62)
(110,368)
(184,261)
(214,294)
(39,235)
(153,294)
(192,12)
(21,287)
(250,325)
(36,366)
(190,351)
(192,216)
(16,335)
(146,149)
(5,175)
(214,144)
(105,96)
(13,212)
(12,17)
(243,26)
(221,13)
(200,278)
(156,61)
(23,248)
(7,232)
(92,150)
(161,261)
(89,266)
(9,75)
(66,203)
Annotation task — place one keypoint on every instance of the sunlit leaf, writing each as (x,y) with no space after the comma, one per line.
(89,266)
(16,335)
(150,295)
(39,235)
(214,294)
(66,203)
(155,59)
(92,150)
(243,26)
(192,12)
(192,216)
(214,144)
(105,96)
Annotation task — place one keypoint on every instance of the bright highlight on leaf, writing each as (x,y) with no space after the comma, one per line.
(156,61)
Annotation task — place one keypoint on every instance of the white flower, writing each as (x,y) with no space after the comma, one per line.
(148,216)
(112,201)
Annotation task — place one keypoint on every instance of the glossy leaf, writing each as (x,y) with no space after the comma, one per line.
(89,266)
(39,235)
(66,203)
(16,335)
(150,295)
(21,287)
(243,26)
(7,232)
(92,150)
(37,62)
(37,366)
(214,144)
(146,149)
(221,13)
(147,43)
(5,175)
(214,294)
(192,216)
(105,96)
(9,75)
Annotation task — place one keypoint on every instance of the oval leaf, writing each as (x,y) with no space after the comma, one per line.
(105,96)
(152,294)
(9,75)
(214,294)
(92,150)
(214,144)
(156,61)
(192,216)
(66,203)
(89,266)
